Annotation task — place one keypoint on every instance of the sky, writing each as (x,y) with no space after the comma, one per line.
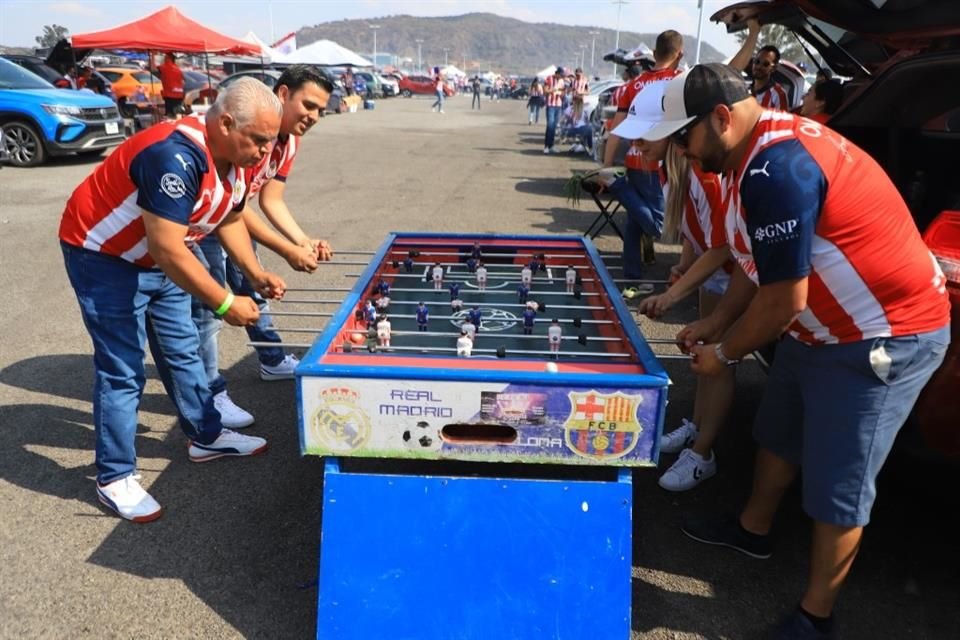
(21,20)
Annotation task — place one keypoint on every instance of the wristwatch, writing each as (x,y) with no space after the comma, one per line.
(722,358)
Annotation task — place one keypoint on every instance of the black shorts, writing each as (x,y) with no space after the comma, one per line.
(173,106)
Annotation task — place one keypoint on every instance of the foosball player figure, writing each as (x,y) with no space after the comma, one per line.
(542,257)
(383,303)
(423,317)
(464,344)
(533,305)
(526,275)
(554,333)
(455,302)
(472,264)
(475,253)
(470,328)
(408,264)
(529,318)
(535,265)
(437,276)
(370,314)
(522,292)
(383,332)
(570,278)
(475,316)
(481,277)
(383,288)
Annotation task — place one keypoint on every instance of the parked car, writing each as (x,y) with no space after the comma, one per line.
(900,107)
(38,120)
(268,77)
(373,83)
(127,82)
(417,85)
(391,86)
(36,65)
(597,89)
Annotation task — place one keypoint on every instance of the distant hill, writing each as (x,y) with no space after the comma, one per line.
(486,41)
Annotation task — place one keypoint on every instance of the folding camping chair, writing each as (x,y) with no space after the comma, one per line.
(608,206)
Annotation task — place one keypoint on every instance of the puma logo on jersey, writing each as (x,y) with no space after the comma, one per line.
(762,170)
(182,161)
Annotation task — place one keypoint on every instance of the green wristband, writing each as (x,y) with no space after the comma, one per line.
(225,306)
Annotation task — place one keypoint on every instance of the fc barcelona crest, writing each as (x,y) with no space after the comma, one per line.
(602,425)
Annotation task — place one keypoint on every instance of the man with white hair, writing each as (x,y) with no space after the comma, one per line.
(126,234)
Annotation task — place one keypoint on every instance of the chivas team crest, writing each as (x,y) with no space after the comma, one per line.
(339,424)
(602,425)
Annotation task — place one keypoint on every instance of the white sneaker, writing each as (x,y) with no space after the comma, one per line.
(553,149)
(546,151)
(231,416)
(680,438)
(228,443)
(128,499)
(282,371)
(688,471)
(577,148)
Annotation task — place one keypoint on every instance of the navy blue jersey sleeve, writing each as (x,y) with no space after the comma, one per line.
(168,176)
(782,193)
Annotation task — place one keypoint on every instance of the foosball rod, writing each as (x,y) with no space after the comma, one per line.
(399,316)
(454,334)
(393,303)
(295,345)
(483,254)
(469,277)
(488,290)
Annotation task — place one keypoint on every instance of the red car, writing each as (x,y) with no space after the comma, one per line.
(899,107)
(422,85)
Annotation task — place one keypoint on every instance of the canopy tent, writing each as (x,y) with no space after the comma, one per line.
(326,53)
(165,30)
(451,71)
(545,73)
(265,53)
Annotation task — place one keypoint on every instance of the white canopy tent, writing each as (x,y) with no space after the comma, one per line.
(268,54)
(451,71)
(545,73)
(325,53)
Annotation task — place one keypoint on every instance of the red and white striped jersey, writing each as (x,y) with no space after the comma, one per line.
(806,202)
(773,96)
(553,88)
(166,170)
(580,86)
(702,222)
(276,165)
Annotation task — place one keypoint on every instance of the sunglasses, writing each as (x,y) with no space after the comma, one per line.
(681,137)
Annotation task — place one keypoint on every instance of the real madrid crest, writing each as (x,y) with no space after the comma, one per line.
(339,424)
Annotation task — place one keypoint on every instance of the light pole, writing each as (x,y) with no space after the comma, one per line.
(619,4)
(374,27)
(419,55)
(583,56)
(446,50)
(696,59)
(593,48)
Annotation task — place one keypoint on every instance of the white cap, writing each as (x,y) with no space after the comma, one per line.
(645,112)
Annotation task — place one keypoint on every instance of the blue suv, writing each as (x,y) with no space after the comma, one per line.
(38,120)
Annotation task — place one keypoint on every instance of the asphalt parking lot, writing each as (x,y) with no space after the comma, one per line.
(236,550)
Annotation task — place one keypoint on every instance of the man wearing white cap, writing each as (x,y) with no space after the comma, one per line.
(845,281)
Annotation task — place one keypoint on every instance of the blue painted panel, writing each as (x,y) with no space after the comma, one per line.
(447,558)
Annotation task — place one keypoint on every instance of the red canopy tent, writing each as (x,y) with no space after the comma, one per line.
(165,30)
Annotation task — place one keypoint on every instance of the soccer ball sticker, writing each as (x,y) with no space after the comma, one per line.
(422,437)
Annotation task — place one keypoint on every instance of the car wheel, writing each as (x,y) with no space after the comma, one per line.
(407,93)
(23,145)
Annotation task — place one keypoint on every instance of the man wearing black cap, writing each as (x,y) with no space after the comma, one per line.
(553,89)
(845,282)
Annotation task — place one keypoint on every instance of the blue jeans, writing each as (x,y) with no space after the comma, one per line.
(123,306)
(835,410)
(641,195)
(584,134)
(211,254)
(438,101)
(533,113)
(553,117)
